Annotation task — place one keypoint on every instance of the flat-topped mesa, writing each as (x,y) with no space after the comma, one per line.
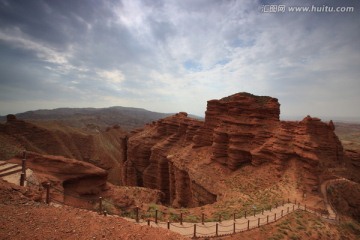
(237,124)
(242,111)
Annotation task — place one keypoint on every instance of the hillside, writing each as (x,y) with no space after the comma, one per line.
(103,148)
(24,218)
(242,157)
(83,118)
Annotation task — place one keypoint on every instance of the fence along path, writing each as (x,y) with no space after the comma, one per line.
(228,227)
(250,220)
(194,230)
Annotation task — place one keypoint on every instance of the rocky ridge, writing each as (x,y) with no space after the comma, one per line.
(187,159)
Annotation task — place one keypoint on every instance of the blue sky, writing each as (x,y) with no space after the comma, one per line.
(171,56)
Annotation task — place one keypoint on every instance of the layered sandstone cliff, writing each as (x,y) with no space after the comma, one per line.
(105,149)
(174,154)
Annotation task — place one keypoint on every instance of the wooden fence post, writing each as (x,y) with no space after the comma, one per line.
(23,170)
(168,224)
(217,229)
(195,230)
(258,222)
(137,214)
(47,192)
(248,224)
(234,228)
(181,218)
(156,216)
(234,217)
(100,205)
(22,179)
(267,219)
(202,218)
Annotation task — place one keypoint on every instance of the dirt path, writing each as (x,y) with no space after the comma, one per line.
(212,229)
(324,187)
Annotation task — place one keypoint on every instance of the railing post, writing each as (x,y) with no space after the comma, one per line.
(156,216)
(23,170)
(168,224)
(234,228)
(202,218)
(195,230)
(217,230)
(148,222)
(100,205)
(181,218)
(137,214)
(258,222)
(248,224)
(47,192)
(267,219)
(22,179)
(234,216)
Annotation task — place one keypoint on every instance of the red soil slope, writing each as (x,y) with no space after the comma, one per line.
(22,218)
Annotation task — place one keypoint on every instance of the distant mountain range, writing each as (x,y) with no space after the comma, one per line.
(127,118)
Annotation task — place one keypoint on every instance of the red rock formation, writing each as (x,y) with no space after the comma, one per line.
(239,129)
(65,174)
(104,149)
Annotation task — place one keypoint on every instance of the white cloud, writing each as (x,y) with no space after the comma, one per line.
(114,76)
